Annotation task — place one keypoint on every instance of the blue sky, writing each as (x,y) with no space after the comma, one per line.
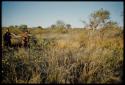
(47,13)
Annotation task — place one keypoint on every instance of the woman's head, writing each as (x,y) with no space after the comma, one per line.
(7,30)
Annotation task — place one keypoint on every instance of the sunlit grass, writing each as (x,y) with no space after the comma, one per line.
(67,56)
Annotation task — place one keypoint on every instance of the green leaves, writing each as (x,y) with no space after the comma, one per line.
(99,18)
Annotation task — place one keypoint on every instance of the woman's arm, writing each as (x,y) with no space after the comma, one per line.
(16,36)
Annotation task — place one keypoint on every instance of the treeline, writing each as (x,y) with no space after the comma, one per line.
(97,20)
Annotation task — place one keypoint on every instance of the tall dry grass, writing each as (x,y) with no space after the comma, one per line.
(77,56)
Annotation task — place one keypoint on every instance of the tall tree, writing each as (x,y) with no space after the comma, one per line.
(98,19)
(60,24)
(24,28)
(53,26)
(11,26)
(40,27)
(111,24)
(68,26)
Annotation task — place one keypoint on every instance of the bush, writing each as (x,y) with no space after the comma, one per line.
(76,56)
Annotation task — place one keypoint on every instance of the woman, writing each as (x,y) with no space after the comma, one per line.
(7,38)
(25,39)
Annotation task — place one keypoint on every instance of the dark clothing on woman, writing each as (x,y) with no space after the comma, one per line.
(7,39)
(25,42)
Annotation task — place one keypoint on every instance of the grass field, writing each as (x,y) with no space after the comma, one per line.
(66,56)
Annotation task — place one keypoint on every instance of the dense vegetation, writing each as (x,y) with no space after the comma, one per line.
(66,55)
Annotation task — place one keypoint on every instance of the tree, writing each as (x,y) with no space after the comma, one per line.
(60,24)
(68,26)
(98,19)
(111,24)
(40,27)
(11,26)
(24,28)
(53,26)
(16,26)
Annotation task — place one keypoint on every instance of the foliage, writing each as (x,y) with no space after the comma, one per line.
(98,19)
(23,27)
(68,26)
(76,56)
(60,24)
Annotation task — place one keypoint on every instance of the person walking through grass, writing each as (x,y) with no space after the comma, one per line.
(7,38)
(25,39)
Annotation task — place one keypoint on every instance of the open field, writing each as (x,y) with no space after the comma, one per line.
(66,56)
